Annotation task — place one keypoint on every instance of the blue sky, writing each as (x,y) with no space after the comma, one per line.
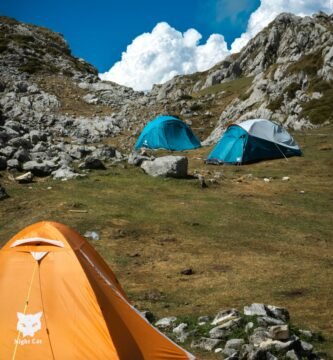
(100,30)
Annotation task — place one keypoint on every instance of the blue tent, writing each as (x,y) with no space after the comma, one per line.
(253,140)
(167,132)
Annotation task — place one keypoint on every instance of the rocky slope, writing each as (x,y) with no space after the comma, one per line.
(287,73)
(48,120)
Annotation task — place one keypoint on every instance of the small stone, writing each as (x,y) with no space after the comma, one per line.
(222,331)
(306,346)
(255,309)
(92,235)
(249,326)
(225,315)
(292,355)
(25,178)
(180,328)
(235,344)
(205,344)
(279,312)
(202,320)
(268,320)
(187,271)
(166,322)
(279,332)
(267,180)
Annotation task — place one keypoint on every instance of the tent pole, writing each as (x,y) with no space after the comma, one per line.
(281,152)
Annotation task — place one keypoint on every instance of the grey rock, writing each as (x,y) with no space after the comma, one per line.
(307,347)
(225,315)
(180,332)
(205,344)
(25,178)
(13,164)
(279,332)
(268,320)
(137,159)
(259,335)
(279,312)
(92,235)
(92,163)
(42,168)
(202,320)
(255,309)
(3,163)
(168,166)
(22,155)
(64,173)
(292,355)
(222,331)
(7,151)
(3,193)
(166,322)
(36,136)
(235,344)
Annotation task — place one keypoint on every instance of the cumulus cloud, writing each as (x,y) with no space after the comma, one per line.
(269,9)
(156,57)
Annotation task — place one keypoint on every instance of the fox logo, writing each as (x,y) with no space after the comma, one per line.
(28,324)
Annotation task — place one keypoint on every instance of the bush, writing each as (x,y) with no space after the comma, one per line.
(320,110)
(276,104)
(291,89)
(309,64)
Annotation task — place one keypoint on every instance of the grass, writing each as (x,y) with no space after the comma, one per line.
(237,86)
(246,240)
(320,110)
(309,64)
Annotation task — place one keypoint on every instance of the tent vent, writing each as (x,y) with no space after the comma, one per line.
(37,241)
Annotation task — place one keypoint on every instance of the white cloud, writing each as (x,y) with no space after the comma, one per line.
(269,9)
(156,57)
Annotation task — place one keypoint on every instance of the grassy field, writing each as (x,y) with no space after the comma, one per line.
(246,240)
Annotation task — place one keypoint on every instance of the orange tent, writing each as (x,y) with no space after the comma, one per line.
(60,300)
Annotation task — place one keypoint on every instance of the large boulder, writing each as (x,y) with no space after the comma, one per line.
(169,166)
(42,168)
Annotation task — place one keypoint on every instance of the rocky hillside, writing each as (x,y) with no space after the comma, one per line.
(48,118)
(285,74)
(54,110)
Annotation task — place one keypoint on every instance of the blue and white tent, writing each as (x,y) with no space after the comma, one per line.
(253,140)
(167,132)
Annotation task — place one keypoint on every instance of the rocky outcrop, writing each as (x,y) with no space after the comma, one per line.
(244,335)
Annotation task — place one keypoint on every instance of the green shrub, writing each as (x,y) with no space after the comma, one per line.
(275,104)
(291,89)
(309,64)
(320,110)
(31,67)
